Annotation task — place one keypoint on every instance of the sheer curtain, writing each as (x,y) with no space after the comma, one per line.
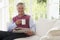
(4,14)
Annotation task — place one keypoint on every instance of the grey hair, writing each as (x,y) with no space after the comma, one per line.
(20,4)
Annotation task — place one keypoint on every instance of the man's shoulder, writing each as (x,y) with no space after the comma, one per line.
(15,17)
(27,15)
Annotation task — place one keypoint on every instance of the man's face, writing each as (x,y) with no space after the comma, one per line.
(20,9)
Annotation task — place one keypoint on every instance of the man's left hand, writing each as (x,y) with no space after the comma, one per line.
(29,32)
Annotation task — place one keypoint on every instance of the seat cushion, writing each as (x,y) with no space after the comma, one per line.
(50,38)
(54,32)
(35,37)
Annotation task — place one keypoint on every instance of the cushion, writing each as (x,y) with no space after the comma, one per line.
(50,38)
(43,25)
(57,23)
(35,37)
(55,31)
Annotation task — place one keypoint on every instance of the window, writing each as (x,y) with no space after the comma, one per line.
(33,7)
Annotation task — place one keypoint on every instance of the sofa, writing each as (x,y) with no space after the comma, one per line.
(42,27)
(53,33)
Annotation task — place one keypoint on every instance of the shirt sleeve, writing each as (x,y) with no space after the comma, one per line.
(32,25)
(11,26)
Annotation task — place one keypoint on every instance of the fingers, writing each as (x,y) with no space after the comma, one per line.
(18,21)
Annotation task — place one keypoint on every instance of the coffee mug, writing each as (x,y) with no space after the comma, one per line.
(23,21)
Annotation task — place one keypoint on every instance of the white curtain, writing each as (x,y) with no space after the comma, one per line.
(4,14)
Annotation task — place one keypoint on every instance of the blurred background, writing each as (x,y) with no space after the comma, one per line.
(46,9)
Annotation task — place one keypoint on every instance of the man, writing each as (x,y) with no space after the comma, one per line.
(20,22)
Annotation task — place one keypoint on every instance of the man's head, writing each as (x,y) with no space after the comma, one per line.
(20,8)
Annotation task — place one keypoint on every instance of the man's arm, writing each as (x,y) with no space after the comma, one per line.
(32,25)
(11,26)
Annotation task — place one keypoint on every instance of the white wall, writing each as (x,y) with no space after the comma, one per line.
(53,9)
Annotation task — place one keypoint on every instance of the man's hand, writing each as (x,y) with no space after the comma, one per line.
(19,28)
(29,32)
(18,21)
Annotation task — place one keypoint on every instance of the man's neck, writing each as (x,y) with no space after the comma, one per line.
(19,15)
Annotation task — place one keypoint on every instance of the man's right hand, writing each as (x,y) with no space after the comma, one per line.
(17,29)
(18,21)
